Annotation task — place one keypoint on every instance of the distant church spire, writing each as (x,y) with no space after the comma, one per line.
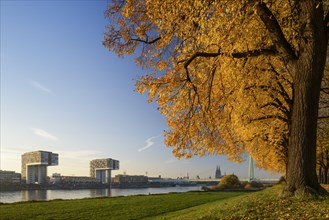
(218,173)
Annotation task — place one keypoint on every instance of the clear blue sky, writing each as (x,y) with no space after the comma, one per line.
(62,91)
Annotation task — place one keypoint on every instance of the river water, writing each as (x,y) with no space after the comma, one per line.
(29,195)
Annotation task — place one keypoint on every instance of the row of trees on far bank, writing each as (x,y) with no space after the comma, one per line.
(234,77)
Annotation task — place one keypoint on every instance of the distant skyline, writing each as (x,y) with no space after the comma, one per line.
(62,91)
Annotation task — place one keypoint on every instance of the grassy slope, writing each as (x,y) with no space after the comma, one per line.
(195,205)
(265,204)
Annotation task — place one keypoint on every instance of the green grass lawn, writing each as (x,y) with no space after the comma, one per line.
(264,204)
(130,207)
(192,205)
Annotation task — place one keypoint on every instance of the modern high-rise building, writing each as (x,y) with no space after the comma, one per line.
(101,169)
(251,175)
(34,166)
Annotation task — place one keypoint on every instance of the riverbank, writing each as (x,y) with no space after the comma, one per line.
(45,195)
(20,187)
(191,205)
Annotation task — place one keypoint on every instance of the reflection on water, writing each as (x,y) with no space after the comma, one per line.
(99,192)
(28,195)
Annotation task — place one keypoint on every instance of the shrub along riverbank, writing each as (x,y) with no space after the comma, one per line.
(191,205)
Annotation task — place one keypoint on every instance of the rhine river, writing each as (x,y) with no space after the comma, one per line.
(29,195)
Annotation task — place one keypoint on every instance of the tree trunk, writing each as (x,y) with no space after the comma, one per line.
(307,74)
(325,175)
(320,175)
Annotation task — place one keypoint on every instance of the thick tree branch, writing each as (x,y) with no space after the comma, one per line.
(192,109)
(281,92)
(199,54)
(254,53)
(270,117)
(210,87)
(272,25)
(281,106)
(326,19)
(245,54)
(283,109)
(146,41)
(325,90)
(189,80)
(326,23)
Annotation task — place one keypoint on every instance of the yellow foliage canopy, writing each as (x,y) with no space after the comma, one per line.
(216,74)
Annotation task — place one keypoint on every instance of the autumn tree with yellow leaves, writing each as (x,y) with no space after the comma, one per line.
(232,76)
